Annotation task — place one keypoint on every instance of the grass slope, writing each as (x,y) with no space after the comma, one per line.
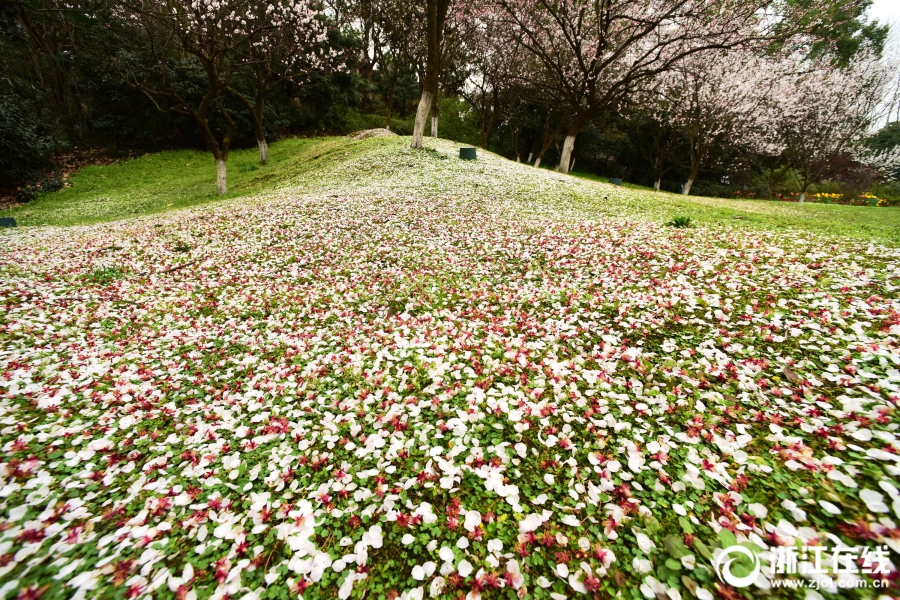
(172,180)
(394,374)
(156,183)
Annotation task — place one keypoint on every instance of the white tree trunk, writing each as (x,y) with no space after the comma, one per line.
(537,163)
(802,197)
(422,115)
(565,157)
(434,126)
(221,182)
(686,189)
(263,151)
(530,154)
(518,158)
(656,185)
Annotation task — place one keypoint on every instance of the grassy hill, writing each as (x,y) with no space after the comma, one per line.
(172,180)
(384,373)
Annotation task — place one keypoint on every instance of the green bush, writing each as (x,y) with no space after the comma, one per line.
(27,135)
(890,191)
(681,222)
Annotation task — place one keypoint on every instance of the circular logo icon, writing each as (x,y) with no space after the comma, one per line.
(725,562)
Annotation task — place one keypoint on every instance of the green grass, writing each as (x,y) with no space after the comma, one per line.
(602,179)
(155,183)
(167,181)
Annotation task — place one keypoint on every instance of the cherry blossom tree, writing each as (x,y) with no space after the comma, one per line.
(834,111)
(390,32)
(435,19)
(275,40)
(494,58)
(886,162)
(714,97)
(596,54)
(285,41)
(400,26)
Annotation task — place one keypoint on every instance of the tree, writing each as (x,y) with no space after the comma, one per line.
(493,59)
(845,32)
(553,124)
(658,142)
(203,37)
(489,61)
(390,31)
(435,19)
(398,22)
(39,37)
(595,54)
(834,111)
(283,41)
(714,97)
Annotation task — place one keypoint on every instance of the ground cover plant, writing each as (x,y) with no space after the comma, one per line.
(402,375)
(171,180)
(154,183)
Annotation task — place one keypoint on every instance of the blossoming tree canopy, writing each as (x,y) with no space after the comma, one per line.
(286,41)
(712,96)
(275,40)
(597,54)
(833,111)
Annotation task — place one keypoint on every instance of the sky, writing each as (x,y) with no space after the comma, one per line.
(886,10)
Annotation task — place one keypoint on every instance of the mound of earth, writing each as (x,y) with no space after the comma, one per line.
(370,133)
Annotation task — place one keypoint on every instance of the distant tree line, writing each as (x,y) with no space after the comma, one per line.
(708,97)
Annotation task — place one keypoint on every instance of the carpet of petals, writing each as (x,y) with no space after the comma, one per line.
(383,394)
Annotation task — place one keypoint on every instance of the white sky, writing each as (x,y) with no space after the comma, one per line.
(886,10)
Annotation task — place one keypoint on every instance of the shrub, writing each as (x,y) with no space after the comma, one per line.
(681,222)
(27,136)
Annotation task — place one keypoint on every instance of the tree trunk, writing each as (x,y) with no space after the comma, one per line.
(565,157)
(572,166)
(421,118)
(537,162)
(221,182)
(263,151)
(802,197)
(695,170)
(530,154)
(390,100)
(258,106)
(435,112)
(656,185)
(436,14)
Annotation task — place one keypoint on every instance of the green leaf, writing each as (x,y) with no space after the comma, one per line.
(673,564)
(675,546)
(739,569)
(727,538)
(752,547)
(703,549)
(686,525)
